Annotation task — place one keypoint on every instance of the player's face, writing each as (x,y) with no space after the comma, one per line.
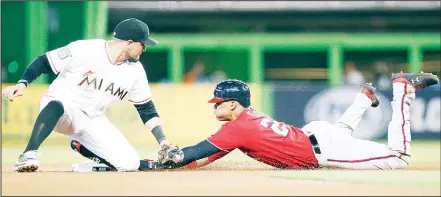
(223,109)
(135,51)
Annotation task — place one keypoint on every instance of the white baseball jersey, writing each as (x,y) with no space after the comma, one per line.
(88,79)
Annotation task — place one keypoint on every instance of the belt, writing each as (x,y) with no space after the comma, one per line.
(315,145)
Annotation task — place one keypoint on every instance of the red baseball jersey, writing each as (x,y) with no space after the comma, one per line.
(266,140)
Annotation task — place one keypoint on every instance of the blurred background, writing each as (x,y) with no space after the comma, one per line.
(304,60)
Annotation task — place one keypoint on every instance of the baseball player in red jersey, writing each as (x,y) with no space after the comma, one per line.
(317,144)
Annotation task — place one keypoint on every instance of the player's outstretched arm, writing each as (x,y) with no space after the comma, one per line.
(38,66)
(207,160)
(193,153)
(216,146)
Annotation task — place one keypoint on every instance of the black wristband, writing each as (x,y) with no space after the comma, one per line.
(23,82)
(147,111)
(158,133)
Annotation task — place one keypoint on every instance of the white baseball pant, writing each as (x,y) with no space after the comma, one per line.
(340,149)
(97,134)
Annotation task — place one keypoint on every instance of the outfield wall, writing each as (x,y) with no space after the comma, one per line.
(300,105)
(187,116)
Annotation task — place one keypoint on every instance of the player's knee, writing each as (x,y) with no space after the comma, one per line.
(404,161)
(55,107)
(399,162)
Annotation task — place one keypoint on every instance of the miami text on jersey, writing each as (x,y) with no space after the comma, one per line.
(91,79)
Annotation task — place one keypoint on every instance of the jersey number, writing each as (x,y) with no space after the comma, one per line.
(277,127)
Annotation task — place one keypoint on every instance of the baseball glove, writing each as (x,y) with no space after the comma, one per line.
(170,155)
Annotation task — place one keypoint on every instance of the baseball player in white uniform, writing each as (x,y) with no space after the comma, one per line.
(93,75)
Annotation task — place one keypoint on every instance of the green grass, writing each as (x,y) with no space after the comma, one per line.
(404,178)
(423,152)
(426,151)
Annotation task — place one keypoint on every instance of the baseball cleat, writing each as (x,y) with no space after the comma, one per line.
(27,162)
(369,91)
(417,80)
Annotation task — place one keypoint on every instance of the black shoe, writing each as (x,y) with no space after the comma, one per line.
(369,91)
(417,80)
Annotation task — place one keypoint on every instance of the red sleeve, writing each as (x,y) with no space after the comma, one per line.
(227,138)
(193,164)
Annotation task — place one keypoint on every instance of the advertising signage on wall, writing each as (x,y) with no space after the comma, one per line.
(300,106)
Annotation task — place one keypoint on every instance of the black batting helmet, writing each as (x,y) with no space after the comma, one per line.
(232,89)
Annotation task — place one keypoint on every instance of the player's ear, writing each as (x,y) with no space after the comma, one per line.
(233,105)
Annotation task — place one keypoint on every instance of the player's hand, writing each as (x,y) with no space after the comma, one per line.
(171,161)
(11,92)
(170,154)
